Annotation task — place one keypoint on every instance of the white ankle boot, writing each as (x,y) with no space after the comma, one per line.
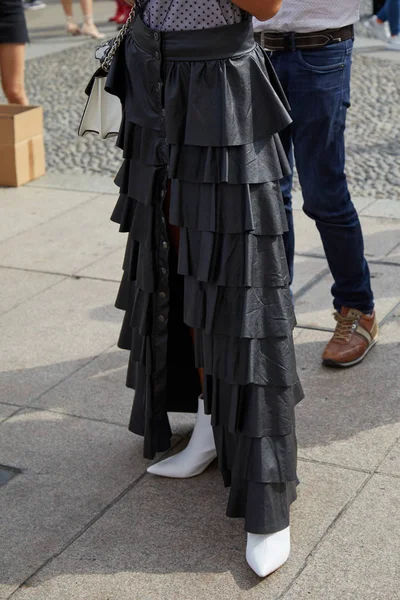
(198,454)
(266,553)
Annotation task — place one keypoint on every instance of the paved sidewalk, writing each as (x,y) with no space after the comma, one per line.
(47,28)
(81,519)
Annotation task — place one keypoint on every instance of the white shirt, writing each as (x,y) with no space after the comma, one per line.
(303,16)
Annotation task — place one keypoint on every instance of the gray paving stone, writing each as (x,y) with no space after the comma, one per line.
(170,540)
(297,200)
(387,208)
(67,243)
(391,464)
(18,286)
(362,202)
(306,269)
(381,236)
(6,410)
(25,207)
(359,557)
(96,391)
(350,417)
(308,240)
(53,335)
(109,267)
(81,182)
(72,468)
(314,309)
(394,256)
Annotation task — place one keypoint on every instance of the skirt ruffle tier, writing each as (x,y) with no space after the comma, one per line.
(217,147)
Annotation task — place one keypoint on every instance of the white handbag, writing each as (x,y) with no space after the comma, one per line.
(103,112)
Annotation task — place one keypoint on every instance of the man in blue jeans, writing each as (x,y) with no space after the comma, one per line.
(311,47)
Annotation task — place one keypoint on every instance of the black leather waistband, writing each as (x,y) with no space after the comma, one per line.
(200,44)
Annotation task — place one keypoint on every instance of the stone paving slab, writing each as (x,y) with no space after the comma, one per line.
(359,557)
(315,308)
(306,270)
(381,236)
(349,417)
(394,256)
(391,464)
(6,410)
(72,468)
(97,391)
(25,207)
(169,540)
(109,267)
(18,286)
(387,208)
(78,182)
(67,243)
(55,334)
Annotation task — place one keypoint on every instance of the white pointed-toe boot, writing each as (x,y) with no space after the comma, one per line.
(266,553)
(198,454)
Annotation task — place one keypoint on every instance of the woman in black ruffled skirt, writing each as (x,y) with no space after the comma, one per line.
(205,289)
(13,37)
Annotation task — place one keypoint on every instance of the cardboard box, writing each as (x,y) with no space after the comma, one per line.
(21,144)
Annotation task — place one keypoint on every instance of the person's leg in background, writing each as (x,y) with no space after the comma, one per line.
(377,5)
(71,26)
(88,27)
(318,82)
(121,13)
(34,4)
(391,11)
(385,24)
(377,24)
(12,71)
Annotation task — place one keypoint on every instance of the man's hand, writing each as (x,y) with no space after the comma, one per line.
(130,2)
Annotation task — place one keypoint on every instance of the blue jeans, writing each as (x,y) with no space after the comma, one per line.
(317,84)
(390,11)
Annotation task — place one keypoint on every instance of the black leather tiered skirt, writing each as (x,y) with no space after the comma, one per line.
(202,112)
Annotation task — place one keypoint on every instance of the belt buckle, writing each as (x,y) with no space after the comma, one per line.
(289,41)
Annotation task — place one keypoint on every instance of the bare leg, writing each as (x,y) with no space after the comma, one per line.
(67,6)
(89,28)
(12,66)
(71,27)
(87,8)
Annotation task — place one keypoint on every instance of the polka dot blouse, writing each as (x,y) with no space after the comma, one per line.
(175,15)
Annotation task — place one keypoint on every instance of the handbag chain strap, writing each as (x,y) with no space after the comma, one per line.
(106,64)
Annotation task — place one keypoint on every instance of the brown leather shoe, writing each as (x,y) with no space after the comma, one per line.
(354,336)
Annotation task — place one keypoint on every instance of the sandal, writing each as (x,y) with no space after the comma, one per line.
(91,30)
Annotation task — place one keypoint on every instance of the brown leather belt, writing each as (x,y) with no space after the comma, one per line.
(290,42)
